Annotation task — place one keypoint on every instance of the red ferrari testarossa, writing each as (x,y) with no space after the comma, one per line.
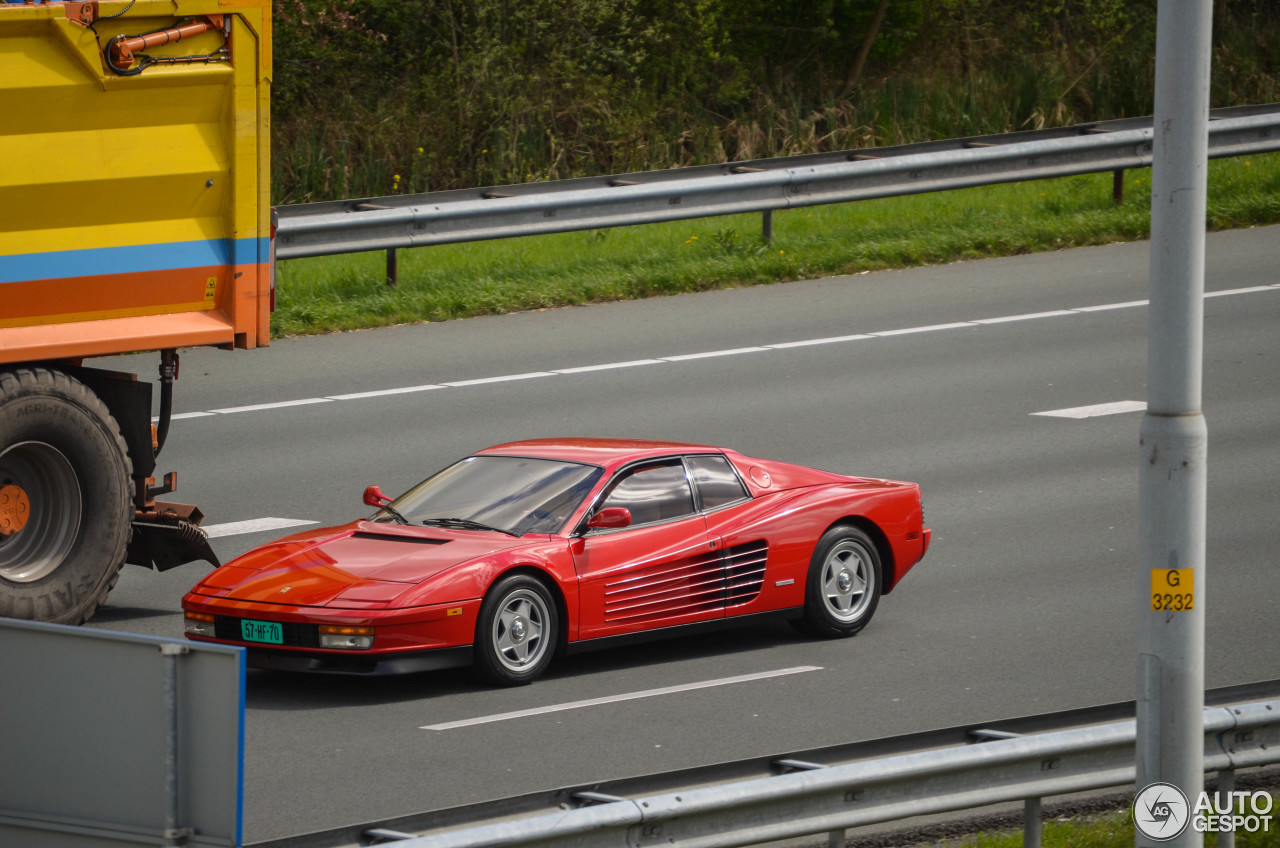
(525,549)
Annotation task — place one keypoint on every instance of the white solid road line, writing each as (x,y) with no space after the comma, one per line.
(403,390)
(629,696)
(684,357)
(811,342)
(932,328)
(608,366)
(256,525)
(257,407)
(711,354)
(1129,304)
(506,378)
(1096,410)
(1057,313)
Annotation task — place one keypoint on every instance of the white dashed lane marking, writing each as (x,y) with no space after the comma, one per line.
(256,525)
(1096,410)
(628,696)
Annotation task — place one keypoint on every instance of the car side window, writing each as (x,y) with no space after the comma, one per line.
(716,481)
(655,492)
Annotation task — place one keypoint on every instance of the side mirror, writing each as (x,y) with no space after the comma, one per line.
(610,518)
(373,497)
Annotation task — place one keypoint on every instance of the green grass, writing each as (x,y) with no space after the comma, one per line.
(1112,830)
(326,294)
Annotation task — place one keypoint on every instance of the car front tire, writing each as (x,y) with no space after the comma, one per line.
(843,587)
(517,631)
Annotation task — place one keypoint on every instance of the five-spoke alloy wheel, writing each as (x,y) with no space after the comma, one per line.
(517,631)
(843,586)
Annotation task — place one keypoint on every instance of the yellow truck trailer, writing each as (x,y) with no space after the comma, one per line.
(134,216)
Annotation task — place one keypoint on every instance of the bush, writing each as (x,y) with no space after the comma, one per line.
(374,97)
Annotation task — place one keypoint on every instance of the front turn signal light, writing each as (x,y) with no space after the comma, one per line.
(346,638)
(199,624)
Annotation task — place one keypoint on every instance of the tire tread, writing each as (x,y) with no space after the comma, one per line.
(51,605)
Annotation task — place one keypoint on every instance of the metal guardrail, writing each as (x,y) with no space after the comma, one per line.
(829,790)
(812,801)
(402,221)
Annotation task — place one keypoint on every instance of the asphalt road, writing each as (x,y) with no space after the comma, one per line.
(1026,603)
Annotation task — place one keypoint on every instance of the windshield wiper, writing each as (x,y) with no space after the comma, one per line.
(465,523)
(400,519)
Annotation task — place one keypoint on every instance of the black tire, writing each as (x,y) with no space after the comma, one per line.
(60,451)
(517,631)
(842,589)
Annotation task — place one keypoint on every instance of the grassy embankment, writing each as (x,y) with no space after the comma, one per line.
(1114,830)
(348,292)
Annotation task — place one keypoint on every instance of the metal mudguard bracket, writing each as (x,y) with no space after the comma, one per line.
(169,535)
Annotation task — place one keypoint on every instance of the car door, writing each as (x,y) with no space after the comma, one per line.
(740,526)
(661,570)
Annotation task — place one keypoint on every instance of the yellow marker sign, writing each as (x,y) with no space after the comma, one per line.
(1173,589)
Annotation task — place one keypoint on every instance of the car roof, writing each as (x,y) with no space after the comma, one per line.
(606,452)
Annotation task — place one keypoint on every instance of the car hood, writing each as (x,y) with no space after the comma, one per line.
(362,564)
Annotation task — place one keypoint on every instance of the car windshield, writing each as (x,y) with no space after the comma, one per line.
(511,494)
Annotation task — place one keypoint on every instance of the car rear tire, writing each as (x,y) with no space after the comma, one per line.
(843,586)
(516,632)
(64,498)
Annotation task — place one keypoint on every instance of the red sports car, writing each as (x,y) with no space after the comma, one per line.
(526,549)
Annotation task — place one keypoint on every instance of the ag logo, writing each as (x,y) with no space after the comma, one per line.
(1161,812)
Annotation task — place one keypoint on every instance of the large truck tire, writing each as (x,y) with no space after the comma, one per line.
(65,501)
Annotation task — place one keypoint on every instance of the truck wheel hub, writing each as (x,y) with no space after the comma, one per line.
(15,509)
(39,494)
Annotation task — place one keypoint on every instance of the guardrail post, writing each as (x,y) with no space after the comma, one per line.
(393,268)
(1031,824)
(1117,185)
(174,835)
(766,231)
(1226,785)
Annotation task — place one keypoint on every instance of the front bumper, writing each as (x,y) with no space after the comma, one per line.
(406,640)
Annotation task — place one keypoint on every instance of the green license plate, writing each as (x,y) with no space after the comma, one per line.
(262,631)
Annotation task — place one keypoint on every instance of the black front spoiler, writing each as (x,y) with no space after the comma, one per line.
(367,666)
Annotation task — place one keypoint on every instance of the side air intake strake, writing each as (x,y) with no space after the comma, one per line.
(714,580)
